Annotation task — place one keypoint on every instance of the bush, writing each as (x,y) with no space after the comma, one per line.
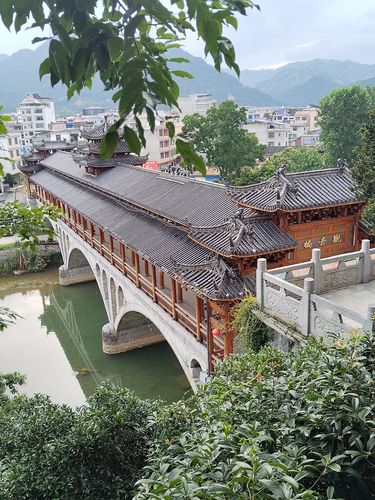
(272,425)
(52,451)
(251,333)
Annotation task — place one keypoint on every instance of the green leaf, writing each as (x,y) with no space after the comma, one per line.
(44,68)
(6,12)
(182,74)
(132,140)
(108,144)
(171,129)
(187,152)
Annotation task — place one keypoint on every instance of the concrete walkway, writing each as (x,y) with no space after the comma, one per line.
(355,297)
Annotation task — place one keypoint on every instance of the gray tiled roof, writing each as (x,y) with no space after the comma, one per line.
(297,190)
(47,145)
(262,236)
(94,147)
(160,243)
(177,198)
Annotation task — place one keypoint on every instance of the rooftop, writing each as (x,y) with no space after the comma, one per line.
(298,191)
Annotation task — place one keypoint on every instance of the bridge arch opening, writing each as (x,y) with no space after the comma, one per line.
(196,370)
(135,330)
(77,259)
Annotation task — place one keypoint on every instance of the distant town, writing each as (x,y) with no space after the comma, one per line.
(35,122)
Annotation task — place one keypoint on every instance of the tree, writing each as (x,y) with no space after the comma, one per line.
(3,131)
(127,45)
(296,159)
(343,113)
(10,179)
(25,221)
(364,168)
(220,137)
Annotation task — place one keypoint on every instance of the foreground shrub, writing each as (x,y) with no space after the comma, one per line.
(51,451)
(272,425)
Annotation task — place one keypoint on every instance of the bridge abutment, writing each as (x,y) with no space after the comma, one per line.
(75,275)
(128,339)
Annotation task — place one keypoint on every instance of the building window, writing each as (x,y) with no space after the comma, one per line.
(58,137)
(161,143)
(9,141)
(271,135)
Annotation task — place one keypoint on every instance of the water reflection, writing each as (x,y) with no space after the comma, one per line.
(58,346)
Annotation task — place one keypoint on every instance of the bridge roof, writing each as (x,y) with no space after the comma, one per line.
(179,199)
(297,191)
(165,246)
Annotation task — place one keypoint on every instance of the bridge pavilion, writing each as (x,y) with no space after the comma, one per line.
(192,246)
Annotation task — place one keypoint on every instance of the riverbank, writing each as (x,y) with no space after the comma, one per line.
(29,280)
(46,256)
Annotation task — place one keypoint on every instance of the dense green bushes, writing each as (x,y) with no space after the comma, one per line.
(269,425)
(272,425)
(51,451)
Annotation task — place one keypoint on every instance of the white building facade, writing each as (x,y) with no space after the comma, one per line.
(35,113)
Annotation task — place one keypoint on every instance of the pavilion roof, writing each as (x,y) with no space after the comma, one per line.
(243,236)
(297,191)
(54,145)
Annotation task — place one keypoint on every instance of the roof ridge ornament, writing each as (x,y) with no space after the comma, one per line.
(342,165)
(175,170)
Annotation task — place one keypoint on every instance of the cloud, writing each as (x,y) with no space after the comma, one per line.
(284,30)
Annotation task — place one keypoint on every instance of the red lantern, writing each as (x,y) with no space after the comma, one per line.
(216,332)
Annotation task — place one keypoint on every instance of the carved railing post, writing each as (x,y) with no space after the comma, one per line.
(370,321)
(305,309)
(318,271)
(366,262)
(261,269)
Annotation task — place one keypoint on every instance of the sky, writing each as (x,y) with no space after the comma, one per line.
(283,31)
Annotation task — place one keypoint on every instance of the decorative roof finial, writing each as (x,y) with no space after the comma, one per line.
(342,165)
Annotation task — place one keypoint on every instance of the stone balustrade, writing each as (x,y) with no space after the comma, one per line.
(291,294)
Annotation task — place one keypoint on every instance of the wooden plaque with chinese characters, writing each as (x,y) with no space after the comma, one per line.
(332,236)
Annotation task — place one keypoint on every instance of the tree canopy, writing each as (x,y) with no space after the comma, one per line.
(219,136)
(364,168)
(343,113)
(126,42)
(296,160)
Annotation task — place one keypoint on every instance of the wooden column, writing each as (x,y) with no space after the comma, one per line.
(91,234)
(153,277)
(111,247)
(84,226)
(147,271)
(228,333)
(161,280)
(101,239)
(210,340)
(123,258)
(136,259)
(75,220)
(180,296)
(133,258)
(198,317)
(174,312)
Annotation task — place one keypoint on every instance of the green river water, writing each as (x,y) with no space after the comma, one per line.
(57,345)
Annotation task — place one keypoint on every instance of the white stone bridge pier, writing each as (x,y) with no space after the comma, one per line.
(121,296)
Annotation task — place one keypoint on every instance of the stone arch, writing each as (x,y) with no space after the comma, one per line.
(77,259)
(112,295)
(104,282)
(196,370)
(120,298)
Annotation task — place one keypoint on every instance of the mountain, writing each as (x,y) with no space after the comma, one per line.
(21,70)
(219,85)
(303,83)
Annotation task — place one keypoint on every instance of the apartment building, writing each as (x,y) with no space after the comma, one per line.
(35,113)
